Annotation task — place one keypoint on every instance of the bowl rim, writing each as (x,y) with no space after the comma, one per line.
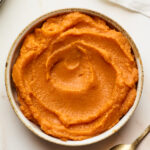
(33,127)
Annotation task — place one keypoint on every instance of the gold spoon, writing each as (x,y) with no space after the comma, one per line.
(134,145)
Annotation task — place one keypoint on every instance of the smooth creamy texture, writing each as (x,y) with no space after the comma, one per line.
(75,76)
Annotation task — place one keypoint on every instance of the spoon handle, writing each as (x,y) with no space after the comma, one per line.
(141,137)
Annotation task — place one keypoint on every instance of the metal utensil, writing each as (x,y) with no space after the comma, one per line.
(134,145)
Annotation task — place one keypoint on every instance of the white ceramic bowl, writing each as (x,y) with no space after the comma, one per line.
(11,91)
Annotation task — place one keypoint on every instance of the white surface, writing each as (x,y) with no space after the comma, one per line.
(141,6)
(14,16)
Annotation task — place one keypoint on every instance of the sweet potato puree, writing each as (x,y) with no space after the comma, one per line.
(75,76)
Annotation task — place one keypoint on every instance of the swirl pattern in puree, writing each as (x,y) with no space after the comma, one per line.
(75,76)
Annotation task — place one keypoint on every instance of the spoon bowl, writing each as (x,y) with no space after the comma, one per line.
(134,145)
(123,147)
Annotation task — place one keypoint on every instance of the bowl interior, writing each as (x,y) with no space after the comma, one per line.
(11,91)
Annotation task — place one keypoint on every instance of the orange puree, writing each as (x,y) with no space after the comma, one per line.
(75,76)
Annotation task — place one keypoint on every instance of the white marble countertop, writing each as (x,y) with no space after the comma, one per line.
(14,16)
